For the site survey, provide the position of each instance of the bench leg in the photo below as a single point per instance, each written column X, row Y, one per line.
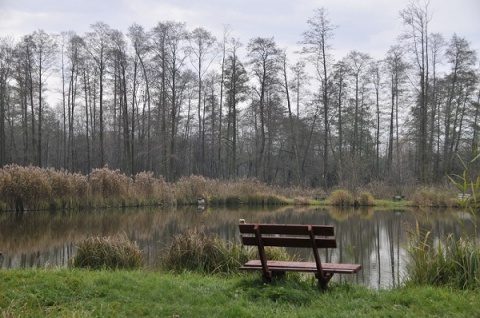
column 323, row 282
column 278, row 273
column 273, row 274
column 267, row 276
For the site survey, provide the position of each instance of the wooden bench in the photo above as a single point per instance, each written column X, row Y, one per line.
column 292, row 235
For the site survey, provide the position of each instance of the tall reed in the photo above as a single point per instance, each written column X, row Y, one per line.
column 195, row 250
column 341, row 198
column 111, row 252
column 24, row 188
column 429, row 197
column 450, row 261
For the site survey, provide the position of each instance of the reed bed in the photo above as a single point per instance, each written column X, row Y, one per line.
column 110, row 252
column 33, row 188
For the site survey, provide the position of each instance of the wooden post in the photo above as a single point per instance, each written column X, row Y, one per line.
column 261, row 251
column 322, row 279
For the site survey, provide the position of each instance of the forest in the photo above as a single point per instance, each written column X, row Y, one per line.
column 180, row 102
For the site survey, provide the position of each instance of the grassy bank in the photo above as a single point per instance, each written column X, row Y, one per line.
column 83, row 293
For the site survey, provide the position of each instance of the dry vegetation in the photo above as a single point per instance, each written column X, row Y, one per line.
column 33, row 188
column 110, row 252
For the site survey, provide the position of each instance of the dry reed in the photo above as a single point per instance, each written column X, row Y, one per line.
column 111, row 252
column 341, row 198
column 195, row 250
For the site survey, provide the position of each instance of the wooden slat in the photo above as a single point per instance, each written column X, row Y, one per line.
column 303, row 267
column 289, row 241
column 288, row 229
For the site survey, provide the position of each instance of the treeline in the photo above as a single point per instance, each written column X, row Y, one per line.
column 178, row 102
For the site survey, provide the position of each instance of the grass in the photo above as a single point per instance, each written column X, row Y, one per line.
column 111, row 252
column 196, row 250
column 452, row 260
column 83, row 293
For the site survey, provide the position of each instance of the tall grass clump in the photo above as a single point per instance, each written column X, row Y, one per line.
column 111, row 252
column 195, row 250
column 108, row 185
column 453, row 262
column 429, row 197
column 365, row 199
column 341, row 198
column 24, row 188
column 67, row 190
column 189, row 189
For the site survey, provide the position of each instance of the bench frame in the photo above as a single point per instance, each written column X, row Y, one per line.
column 293, row 235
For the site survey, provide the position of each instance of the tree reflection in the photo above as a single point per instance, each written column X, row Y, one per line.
column 374, row 238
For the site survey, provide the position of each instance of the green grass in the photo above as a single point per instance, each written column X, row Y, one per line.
column 84, row 293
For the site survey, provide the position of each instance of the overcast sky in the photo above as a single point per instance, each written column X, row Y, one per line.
column 369, row 26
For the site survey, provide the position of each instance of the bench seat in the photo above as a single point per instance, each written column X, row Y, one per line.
column 309, row 267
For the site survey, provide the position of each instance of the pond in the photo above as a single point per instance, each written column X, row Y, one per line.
column 374, row 238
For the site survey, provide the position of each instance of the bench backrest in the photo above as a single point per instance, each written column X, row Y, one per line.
column 288, row 235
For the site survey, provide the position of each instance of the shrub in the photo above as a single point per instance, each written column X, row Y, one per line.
column 365, row 199
column 341, row 198
column 111, row 252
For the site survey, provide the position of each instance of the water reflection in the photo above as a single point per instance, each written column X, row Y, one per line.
column 375, row 239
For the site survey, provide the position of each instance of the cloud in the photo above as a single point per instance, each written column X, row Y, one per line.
column 370, row 26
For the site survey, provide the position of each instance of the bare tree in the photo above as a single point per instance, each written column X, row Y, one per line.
column 316, row 41
column 358, row 63
column 416, row 19
column 97, row 46
column 293, row 137
column 171, row 51
column 6, row 63
column 263, row 54
column 376, row 79
column 461, row 81
column 436, row 53
column 235, row 89
column 142, row 47
column 203, row 51
column 396, row 71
